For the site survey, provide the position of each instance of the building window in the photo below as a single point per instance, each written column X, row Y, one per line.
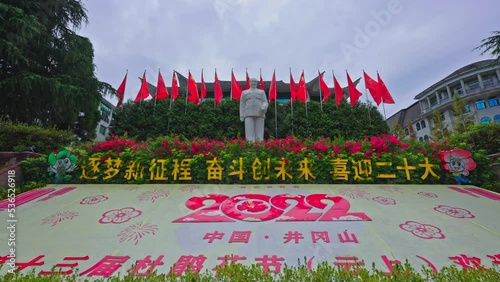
column 467, row 108
column 420, row 139
column 426, row 137
column 493, row 101
column 480, row 104
column 423, row 123
column 486, row 120
column 497, row 119
column 102, row 130
column 418, row 126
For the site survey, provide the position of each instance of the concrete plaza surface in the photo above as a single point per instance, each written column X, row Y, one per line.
column 108, row 230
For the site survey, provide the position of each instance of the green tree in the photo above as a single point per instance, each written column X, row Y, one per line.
column 398, row 131
column 46, row 69
column 439, row 129
column 462, row 120
column 491, row 45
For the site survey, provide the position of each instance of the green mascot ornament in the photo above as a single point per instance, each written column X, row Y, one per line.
column 61, row 163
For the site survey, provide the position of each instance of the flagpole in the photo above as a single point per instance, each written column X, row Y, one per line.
column 231, row 91
column 291, row 102
column 275, row 104
column 305, row 93
column 172, row 96
column 156, row 97
column 187, row 87
column 200, row 97
column 320, row 96
column 366, row 94
column 214, row 89
column 382, row 101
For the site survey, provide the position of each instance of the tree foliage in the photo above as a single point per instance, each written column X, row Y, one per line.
column 398, row 131
column 46, row 69
column 149, row 120
column 462, row 120
column 439, row 129
column 491, row 45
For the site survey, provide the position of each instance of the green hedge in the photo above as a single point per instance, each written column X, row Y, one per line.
column 19, row 137
column 323, row 272
column 150, row 120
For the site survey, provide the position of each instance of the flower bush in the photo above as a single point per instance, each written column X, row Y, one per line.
column 380, row 159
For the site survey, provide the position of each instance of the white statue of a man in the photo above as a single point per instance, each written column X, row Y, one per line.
column 253, row 108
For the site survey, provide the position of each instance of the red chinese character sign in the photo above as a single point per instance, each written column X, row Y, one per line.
column 459, row 163
column 112, row 230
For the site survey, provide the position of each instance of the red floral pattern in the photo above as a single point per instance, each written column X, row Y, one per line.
column 118, row 216
column 252, row 206
column 91, row 200
column 59, row 217
column 422, row 230
column 428, row 194
column 136, row 232
column 384, row 201
column 454, row 212
column 457, row 161
column 152, row 195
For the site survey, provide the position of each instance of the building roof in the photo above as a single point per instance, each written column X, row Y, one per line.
column 404, row 115
column 468, row 68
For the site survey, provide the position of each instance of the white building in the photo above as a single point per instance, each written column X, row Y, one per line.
column 478, row 84
column 106, row 109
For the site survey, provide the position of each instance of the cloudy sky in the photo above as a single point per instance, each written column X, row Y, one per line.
column 412, row 44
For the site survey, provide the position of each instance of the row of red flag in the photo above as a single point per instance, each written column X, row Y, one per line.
column 377, row 89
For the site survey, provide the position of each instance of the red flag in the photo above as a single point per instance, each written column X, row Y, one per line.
column 261, row 82
column 203, row 88
column 235, row 88
column 373, row 87
column 175, row 87
column 273, row 91
column 192, row 90
column 354, row 93
column 384, row 92
column 301, row 89
column 121, row 91
column 144, row 91
column 247, row 85
column 161, row 89
column 293, row 89
column 324, row 88
column 339, row 92
column 217, row 90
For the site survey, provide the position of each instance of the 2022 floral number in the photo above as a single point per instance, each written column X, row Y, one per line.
column 261, row 207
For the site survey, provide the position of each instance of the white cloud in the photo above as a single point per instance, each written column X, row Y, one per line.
column 418, row 45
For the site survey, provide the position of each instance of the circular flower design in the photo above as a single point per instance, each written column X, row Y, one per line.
column 93, row 200
column 252, row 206
column 119, row 215
column 454, row 212
column 384, row 201
column 427, row 194
column 457, row 161
column 422, row 230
